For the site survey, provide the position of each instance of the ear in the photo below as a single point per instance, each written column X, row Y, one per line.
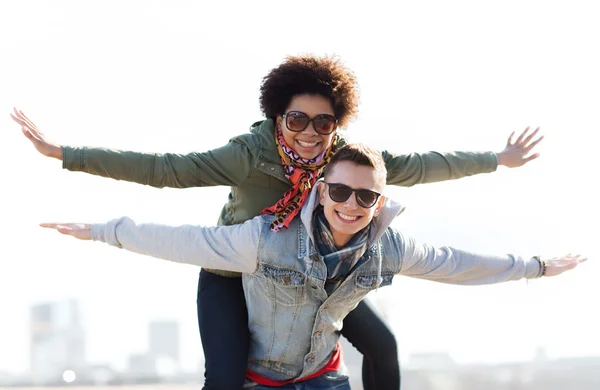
column 322, row 192
column 379, row 205
column 278, row 121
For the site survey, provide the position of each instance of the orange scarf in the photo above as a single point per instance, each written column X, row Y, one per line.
column 303, row 173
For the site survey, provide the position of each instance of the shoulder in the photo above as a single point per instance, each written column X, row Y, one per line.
column 393, row 240
column 260, row 140
column 260, row 133
column 342, row 139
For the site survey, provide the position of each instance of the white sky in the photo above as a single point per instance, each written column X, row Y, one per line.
column 178, row 76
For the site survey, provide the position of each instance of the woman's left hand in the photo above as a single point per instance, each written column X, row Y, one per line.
column 81, row 231
column 516, row 153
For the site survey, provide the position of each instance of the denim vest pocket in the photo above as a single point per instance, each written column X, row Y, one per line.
column 286, row 285
column 369, row 282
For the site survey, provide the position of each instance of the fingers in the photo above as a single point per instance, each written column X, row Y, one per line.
column 530, row 136
column 579, row 258
column 71, row 225
column 49, row 225
column 61, row 228
column 523, row 134
column 18, row 120
column 69, row 229
column 64, row 230
column 21, row 118
column 510, row 139
column 31, row 135
column 23, row 123
column 532, row 145
column 532, row 157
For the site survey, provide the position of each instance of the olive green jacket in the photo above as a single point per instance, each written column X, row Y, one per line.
column 251, row 166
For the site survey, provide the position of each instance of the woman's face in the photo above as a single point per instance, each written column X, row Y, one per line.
column 307, row 143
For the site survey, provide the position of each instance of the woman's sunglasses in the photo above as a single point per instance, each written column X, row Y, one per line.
column 298, row 121
column 340, row 193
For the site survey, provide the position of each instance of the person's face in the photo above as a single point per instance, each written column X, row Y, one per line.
column 308, row 143
column 348, row 218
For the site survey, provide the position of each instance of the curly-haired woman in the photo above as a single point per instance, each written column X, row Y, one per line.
column 271, row 169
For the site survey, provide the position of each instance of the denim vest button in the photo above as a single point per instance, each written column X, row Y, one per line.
column 286, row 279
column 310, row 359
column 317, row 333
column 374, row 284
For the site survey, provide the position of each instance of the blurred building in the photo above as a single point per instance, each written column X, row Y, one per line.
column 161, row 359
column 57, row 341
column 142, row 367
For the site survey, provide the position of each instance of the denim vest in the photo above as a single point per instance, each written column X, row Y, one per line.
column 294, row 325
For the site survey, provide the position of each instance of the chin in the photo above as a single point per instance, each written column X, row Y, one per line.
column 310, row 156
column 347, row 230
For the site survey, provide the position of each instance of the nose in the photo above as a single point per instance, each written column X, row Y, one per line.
column 350, row 203
column 310, row 129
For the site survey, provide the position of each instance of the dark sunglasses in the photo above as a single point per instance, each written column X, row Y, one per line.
column 340, row 193
column 298, row 121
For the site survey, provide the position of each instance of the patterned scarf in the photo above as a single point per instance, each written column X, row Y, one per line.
column 303, row 173
column 339, row 262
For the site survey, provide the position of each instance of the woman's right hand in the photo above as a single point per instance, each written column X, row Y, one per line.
column 37, row 138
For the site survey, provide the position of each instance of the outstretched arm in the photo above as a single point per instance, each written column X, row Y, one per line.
column 228, row 165
column 231, row 248
column 455, row 266
column 431, row 167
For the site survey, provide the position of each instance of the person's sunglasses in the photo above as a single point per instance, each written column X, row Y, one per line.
column 340, row 193
column 298, row 121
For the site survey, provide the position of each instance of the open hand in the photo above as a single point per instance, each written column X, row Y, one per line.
column 37, row 138
column 558, row 265
column 516, row 153
column 81, row 231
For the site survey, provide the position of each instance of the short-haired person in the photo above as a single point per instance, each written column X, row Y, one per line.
column 301, row 282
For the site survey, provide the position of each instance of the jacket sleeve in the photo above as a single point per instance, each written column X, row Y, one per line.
column 230, row 248
column 454, row 266
column 419, row 168
column 228, row 165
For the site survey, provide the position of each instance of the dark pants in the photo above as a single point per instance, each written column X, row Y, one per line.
column 368, row 332
column 223, row 322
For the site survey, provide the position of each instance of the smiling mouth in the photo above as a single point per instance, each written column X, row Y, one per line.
column 347, row 218
column 305, row 144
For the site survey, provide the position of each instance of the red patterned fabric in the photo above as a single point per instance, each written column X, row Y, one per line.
column 303, row 173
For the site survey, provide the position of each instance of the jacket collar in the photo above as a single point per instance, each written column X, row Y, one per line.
column 265, row 130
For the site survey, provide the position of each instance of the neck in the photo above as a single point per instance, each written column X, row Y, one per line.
column 341, row 239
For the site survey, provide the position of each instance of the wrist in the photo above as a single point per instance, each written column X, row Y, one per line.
column 501, row 158
column 542, row 265
column 57, row 152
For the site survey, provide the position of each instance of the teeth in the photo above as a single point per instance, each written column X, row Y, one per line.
column 307, row 144
column 347, row 217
